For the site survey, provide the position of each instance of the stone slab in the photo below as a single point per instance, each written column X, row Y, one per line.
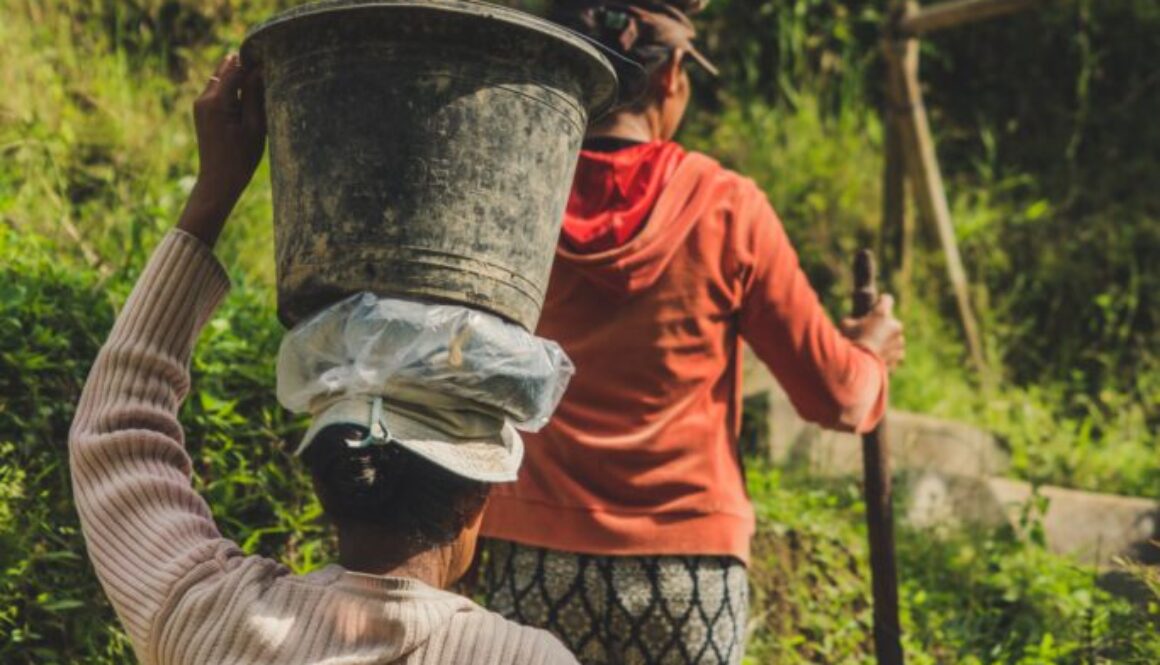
column 1094, row 528
column 1091, row 527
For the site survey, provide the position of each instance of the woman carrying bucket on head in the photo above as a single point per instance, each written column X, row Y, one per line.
column 406, row 526
column 627, row 534
column 415, row 401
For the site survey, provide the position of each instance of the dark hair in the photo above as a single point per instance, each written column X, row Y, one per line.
column 388, row 486
column 606, row 24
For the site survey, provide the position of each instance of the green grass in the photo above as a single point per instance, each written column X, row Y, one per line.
column 97, row 139
column 967, row 596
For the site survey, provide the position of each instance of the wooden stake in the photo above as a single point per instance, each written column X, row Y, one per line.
column 926, row 179
column 897, row 226
column 959, row 12
column 879, row 503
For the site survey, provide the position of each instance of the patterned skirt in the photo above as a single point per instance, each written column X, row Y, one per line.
column 623, row 610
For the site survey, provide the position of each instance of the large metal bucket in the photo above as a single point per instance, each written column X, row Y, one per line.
column 422, row 149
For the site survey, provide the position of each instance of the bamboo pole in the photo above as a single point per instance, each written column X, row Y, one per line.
column 926, row 180
column 959, row 12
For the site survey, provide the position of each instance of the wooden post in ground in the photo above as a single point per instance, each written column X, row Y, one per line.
column 895, row 243
column 926, row 181
column 897, row 225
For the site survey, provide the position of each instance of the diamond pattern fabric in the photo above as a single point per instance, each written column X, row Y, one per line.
column 627, row 610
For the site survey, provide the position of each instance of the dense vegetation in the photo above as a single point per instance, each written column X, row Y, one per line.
column 1046, row 131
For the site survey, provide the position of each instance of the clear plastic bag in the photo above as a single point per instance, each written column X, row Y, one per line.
column 366, row 345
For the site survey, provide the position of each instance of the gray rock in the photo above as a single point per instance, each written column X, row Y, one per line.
column 1093, row 528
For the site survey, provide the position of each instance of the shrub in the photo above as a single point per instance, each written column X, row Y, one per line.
column 53, row 319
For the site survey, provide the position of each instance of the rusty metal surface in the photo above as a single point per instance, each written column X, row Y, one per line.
column 422, row 149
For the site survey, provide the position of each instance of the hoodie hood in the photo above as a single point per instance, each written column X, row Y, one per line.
column 614, row 193
column 629, row 211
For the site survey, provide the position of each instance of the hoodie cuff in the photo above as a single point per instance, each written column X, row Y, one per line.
column 878, row 402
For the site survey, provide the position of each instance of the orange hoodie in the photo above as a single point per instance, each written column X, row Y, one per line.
column 641, row 457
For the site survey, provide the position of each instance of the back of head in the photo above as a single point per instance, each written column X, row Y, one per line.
column 609, row 23
column 387, row 487
column 647, row 32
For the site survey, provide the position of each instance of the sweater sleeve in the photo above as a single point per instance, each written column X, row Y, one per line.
column 144, row 525
column 830, row 380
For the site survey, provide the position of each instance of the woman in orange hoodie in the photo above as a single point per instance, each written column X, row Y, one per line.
column 627, row 533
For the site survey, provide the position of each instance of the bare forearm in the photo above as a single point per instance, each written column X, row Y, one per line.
column 206, row 212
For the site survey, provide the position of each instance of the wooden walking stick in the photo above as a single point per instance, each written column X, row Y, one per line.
column 879, row 509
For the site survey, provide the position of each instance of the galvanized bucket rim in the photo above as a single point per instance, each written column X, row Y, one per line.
column 600, row 97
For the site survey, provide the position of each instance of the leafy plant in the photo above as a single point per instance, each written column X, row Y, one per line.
column 53, row 318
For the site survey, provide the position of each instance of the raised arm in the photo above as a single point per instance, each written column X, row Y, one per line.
column 145, row 528
column 833, row 380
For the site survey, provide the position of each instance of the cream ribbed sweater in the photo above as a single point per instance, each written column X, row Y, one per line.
column 186, row 594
